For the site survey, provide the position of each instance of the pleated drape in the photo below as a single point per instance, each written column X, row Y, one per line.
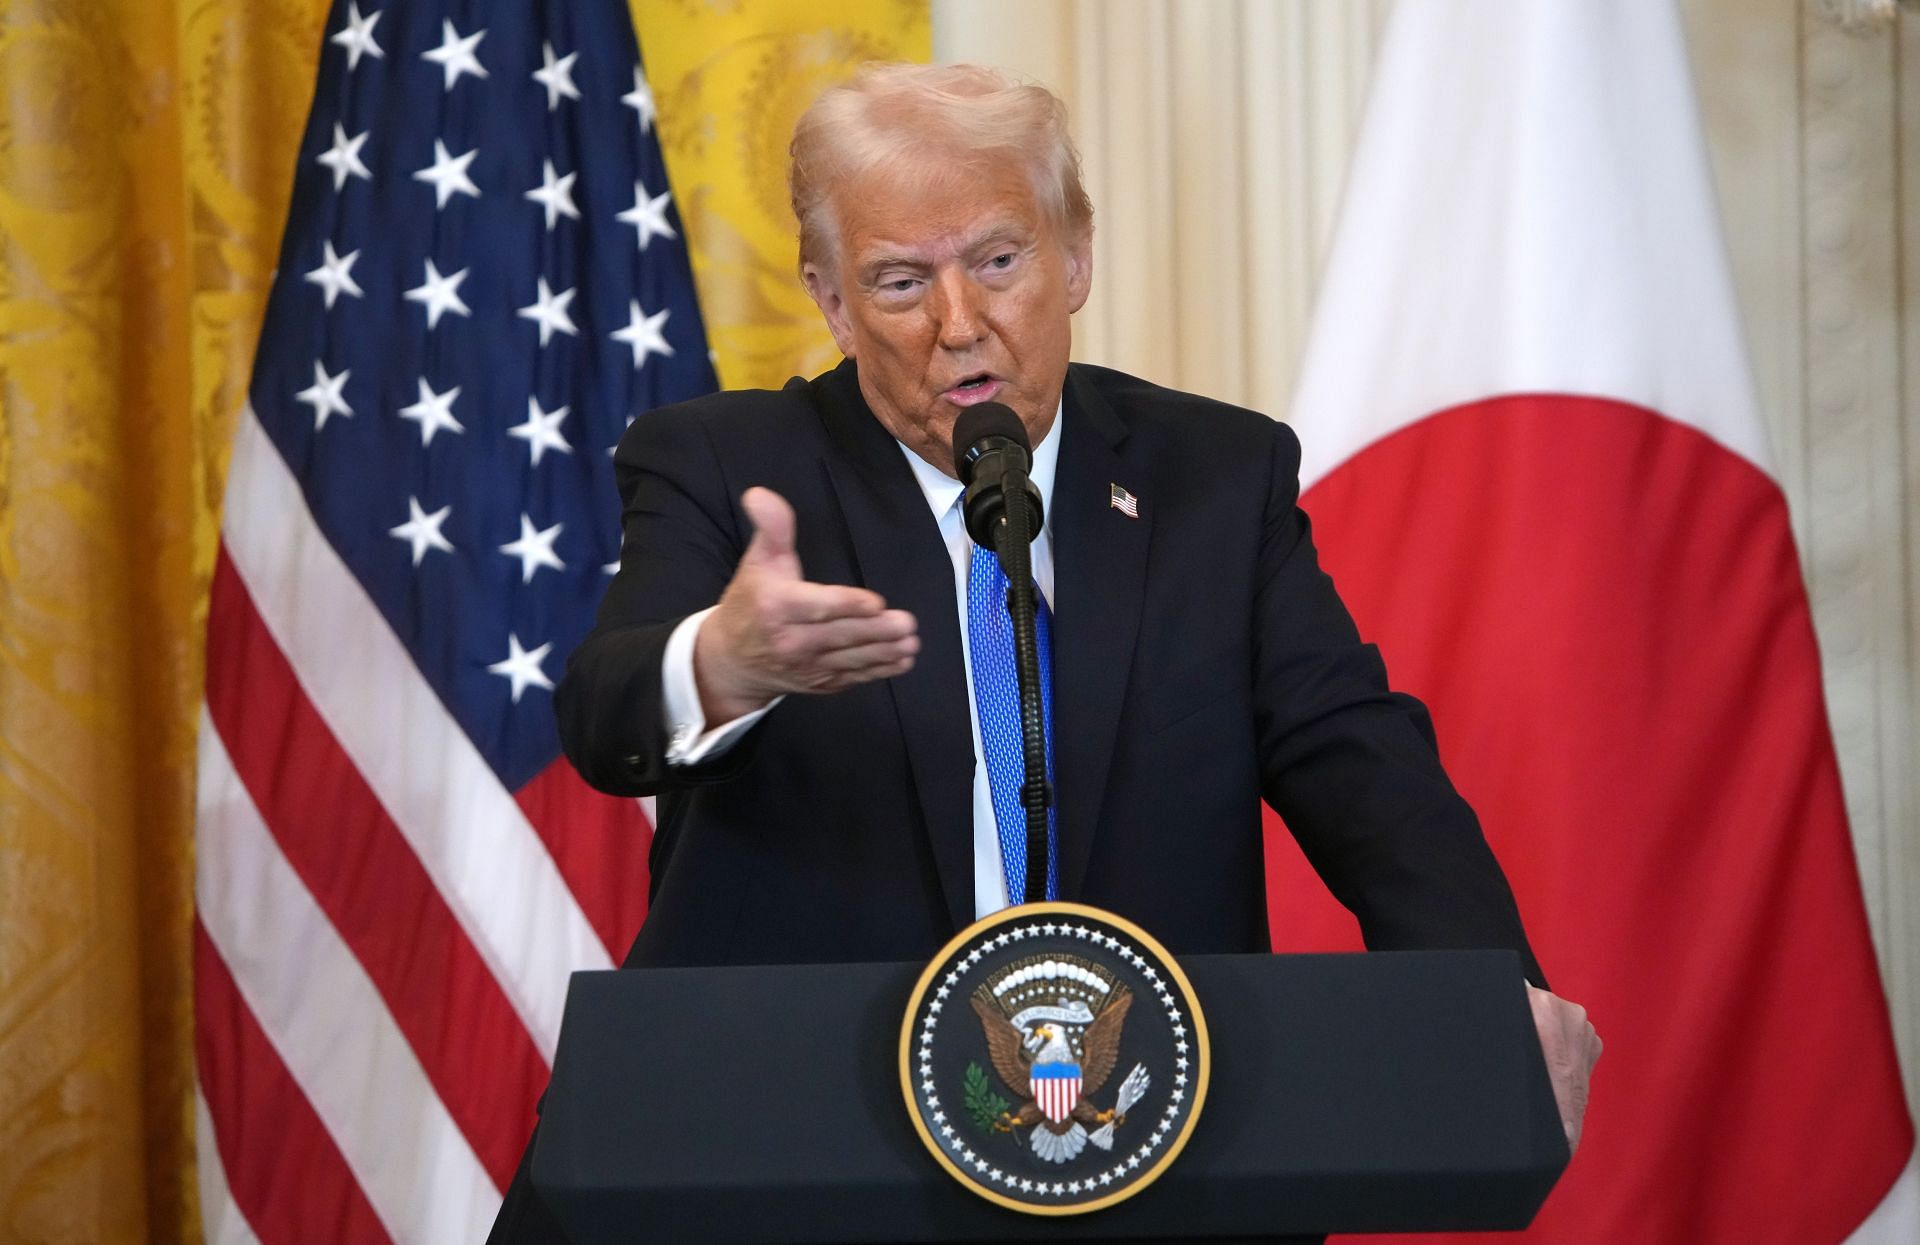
column 146, row 151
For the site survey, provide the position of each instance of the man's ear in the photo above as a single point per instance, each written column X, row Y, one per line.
column 1079, row 273
column 826, row 296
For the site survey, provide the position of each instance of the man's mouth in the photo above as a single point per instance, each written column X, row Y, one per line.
column 980, row 387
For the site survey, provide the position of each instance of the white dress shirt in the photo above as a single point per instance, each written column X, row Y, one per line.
column 689, row 740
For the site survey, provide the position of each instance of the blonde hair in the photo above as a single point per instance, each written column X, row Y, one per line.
column 917, row 116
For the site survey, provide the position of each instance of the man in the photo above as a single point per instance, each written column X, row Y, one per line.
column 797, row 651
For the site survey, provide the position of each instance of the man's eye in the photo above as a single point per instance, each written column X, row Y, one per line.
column 1002, row 260
column 900, row 285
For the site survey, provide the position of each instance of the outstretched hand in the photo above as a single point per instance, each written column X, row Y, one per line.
column 1572, row 1047
column 774, row 632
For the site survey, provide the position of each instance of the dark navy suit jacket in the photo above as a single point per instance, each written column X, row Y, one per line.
column 1202, row 661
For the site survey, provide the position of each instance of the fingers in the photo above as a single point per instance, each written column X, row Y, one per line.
column 776, row 633
column 1571, row 1047
column 887, row 629
column 839, row 681
column 824, row 655
column 803, row 603
column 853, row 659
column 773, row 527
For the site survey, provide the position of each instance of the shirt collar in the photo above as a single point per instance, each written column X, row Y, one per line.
column 943, row 491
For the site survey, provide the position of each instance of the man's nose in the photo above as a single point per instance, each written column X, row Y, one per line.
column 959, row 310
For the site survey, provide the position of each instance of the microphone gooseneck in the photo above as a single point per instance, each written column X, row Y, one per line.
column 992, row 455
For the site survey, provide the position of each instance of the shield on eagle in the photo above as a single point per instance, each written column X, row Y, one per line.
column 1056, row 1088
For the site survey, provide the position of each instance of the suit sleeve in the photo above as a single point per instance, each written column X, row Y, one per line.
column 1353, row 767
column 681, row 540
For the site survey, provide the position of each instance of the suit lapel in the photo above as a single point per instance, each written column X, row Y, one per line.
column 900, row 555
column 1100, row 571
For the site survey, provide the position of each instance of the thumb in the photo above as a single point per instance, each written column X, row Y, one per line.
column 772, row 519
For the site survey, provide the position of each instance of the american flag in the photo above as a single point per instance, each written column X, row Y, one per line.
column 483, row 280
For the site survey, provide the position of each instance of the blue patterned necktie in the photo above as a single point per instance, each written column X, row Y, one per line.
column 996, row 696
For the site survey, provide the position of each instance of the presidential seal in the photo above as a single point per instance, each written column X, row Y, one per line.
column 1054, row 1059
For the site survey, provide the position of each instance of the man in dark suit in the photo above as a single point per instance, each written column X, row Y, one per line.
column 789, row 654
column 1201, row 660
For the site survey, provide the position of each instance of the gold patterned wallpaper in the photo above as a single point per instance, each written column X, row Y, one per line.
column 730, row 78
column 146, row 151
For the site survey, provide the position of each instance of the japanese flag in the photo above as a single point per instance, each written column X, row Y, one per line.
column 1537, row 470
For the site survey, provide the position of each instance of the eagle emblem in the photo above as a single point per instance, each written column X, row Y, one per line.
column 1053, row 1027
column 1012, row 1052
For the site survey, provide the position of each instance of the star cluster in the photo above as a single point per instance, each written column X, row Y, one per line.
column 483, row 282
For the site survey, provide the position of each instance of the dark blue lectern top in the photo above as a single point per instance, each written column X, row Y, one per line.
column 1398, row 1091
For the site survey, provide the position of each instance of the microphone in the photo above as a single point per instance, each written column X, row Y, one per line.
column 991, row 456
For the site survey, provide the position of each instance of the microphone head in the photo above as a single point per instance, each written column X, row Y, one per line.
column 978, row 423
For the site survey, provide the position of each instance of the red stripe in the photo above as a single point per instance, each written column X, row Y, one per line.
column 366, row 878
column 599, row 843
column 283, row 1169
column 1057, row 1096
column 1604, row 610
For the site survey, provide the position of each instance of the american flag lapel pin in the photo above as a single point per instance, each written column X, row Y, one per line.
column 1126, row 503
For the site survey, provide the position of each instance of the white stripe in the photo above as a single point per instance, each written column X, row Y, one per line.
column 476, row 844
column 1896, row 1221
column 1529, row 209
column 1057, row 1096
column 328, row 1024
column 221, row 1222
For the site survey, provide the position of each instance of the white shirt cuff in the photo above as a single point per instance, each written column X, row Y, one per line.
column 689, row 742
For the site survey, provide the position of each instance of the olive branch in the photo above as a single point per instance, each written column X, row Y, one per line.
column 983, row 1105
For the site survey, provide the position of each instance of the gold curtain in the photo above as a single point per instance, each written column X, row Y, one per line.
column 146, row 151
column 730, row 78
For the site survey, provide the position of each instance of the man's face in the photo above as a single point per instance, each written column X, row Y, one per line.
column 952, row 294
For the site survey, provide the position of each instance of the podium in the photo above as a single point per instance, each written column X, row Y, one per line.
column 1389, row 1091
